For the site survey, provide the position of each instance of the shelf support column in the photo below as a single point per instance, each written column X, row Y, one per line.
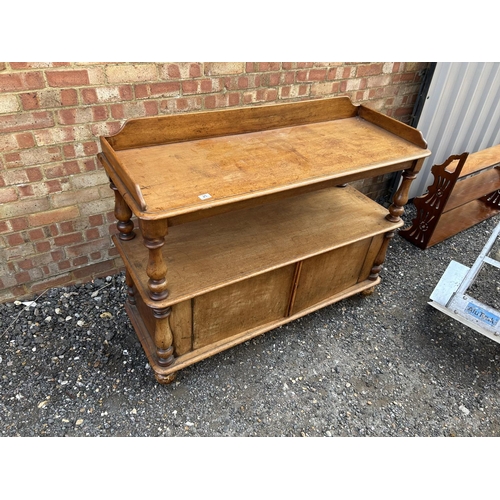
column 396, row 210
column 154, row 232
column 123, row 215
column 380, row 258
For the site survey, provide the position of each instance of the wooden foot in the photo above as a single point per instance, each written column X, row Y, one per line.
column 165, row 379
column 368, row 291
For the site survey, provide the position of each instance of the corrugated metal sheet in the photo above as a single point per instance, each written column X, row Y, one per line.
column 461, row 114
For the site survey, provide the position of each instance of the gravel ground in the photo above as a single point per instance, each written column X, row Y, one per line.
column 383, row 365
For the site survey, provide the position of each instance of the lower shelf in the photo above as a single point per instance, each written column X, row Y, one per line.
column 211, row 253
column 163, row 374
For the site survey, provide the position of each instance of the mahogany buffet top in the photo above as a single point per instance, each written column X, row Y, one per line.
column 177, row 164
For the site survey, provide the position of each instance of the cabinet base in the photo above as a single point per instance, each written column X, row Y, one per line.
column 166, row 375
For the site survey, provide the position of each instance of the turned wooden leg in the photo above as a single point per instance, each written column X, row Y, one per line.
column 154, row 233
column 163, row 336
column 396, row 210
column 380, row 258
column 123, row 215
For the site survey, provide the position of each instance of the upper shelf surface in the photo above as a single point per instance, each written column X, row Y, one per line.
column 182, row 177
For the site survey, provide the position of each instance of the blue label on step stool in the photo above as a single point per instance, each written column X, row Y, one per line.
column 481, row 314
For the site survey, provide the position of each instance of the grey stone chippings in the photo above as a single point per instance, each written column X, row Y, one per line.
column 386, row 364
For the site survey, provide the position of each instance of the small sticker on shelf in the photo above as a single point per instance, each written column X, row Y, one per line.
column 205, row 196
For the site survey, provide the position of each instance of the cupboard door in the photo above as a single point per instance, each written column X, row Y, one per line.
column 239, row 307
column 324, row 275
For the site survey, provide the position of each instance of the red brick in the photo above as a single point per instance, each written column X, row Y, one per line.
column 8, row 194
column 234, row 98
column 36, row 234
column 67, row 78
column 25, row 190
column 118, row 111
column 91, row 149
column 99, row 113
column 15, row 239
column 15, row 82
column 95, row 255
column 67, row 227
column 301, row 76
column 317, row 75
column 91, row 164
column 53, row 186
column 210, row 102
column 64, row 264
column 141, row 91
column 369, row 70
column 243, row 82
column 57, row 255
column 30, row 101
column 25, row 140
column 69, row 97
column 151, row 108
column 92, row 234
column 274, row 79
column 399, row 112
column 269, row 66
column 89, row 96
column 190, row 87
column 34, row 174
column 42, row 246
column 22, row 277
column 68, row 239
column 80, row 261
column 26, row 264
column 96, row 220
column 164, row 88
column 4, row 226
column 19, row 223
column 69, row 151
column 173, row 71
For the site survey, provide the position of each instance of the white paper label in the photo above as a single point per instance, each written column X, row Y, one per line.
column 205, row 196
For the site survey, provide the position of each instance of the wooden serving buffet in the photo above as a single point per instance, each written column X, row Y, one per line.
column 262, row 226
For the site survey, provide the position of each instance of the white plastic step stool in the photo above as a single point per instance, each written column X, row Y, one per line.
column 452, row 295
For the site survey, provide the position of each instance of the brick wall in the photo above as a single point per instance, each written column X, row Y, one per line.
column 56, row 207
